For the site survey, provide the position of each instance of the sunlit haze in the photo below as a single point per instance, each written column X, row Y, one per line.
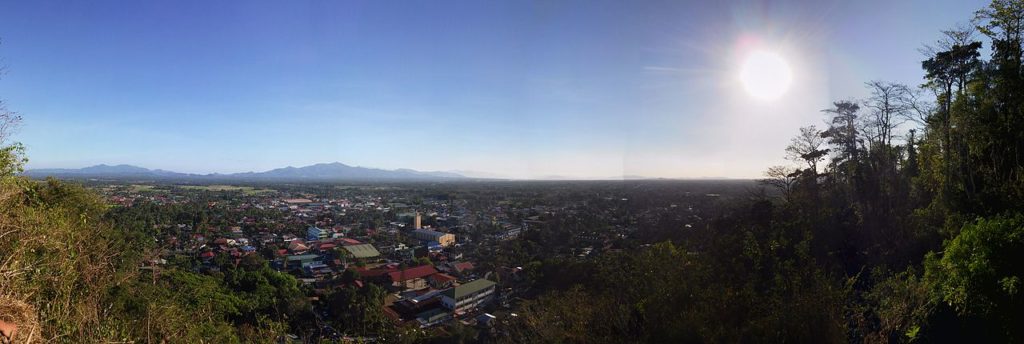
column 516, row 89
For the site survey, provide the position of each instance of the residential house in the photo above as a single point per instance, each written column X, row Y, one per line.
column 302, row 260
column 440, row 280
column 432, row 317
column 411, row 278
column 297, row 247
column 461, row 269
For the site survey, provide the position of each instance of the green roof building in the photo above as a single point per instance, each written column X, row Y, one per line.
column 362, row 251
column 468, row 296
column 302, row 260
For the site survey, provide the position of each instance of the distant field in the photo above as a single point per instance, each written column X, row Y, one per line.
column 367, row 187
column 248, row 190
column 141, row 187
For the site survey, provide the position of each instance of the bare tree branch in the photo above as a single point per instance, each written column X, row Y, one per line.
column 806, row 147
column 782, row 178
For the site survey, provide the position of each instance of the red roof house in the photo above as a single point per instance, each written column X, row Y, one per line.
column 440, row 280
column 349, row 241
column 412, row 278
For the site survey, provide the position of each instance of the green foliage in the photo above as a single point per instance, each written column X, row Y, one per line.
column 61, row 254
column 264, row 291
column 179, row 307
column 360, row 311
column 12, row 160
column 667, row 293
column 901, row 302
column 979, row 272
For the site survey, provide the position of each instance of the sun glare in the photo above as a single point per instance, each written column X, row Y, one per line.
column 765, row 75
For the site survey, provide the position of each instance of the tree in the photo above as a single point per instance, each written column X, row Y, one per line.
column 920, row 110
column 781, row 178
column 9, row 122
column 979, row 273
column 888, row 105
column 806, row 147
column 359, row 311
column 945, row 69
column 12, row 154
column 910, row 168
column 843, row 133
column 1003, row 22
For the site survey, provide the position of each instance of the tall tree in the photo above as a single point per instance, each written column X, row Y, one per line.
column 12, row 157
column 888, row 105
column 806, row 147
column 782, row 178
column 843, row 133
column 944, row 70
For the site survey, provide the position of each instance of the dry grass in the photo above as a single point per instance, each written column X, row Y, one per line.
column 14, row 310
column 24, row 316
column 55, row 261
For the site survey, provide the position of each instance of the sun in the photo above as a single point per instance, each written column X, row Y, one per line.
column 765, row 75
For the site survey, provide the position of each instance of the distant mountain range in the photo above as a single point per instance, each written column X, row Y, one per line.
column 319, row 172
column 334, row 171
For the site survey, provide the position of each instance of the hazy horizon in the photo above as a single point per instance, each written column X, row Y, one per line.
column 522, row 90
column 463, row 173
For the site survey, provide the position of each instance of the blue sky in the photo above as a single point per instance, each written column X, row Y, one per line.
column 519, row 89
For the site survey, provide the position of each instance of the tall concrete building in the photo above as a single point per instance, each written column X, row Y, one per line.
column 418, row 222
column 315, row 233
column 445, row 239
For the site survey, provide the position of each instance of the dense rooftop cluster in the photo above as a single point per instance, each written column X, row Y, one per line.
column 437, row 257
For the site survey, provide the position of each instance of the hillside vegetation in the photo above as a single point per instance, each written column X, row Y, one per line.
column 70, row 273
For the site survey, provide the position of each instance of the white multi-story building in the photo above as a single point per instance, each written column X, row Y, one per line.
column 468, row 296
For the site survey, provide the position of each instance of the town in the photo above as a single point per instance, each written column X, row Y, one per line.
column 440, row 253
